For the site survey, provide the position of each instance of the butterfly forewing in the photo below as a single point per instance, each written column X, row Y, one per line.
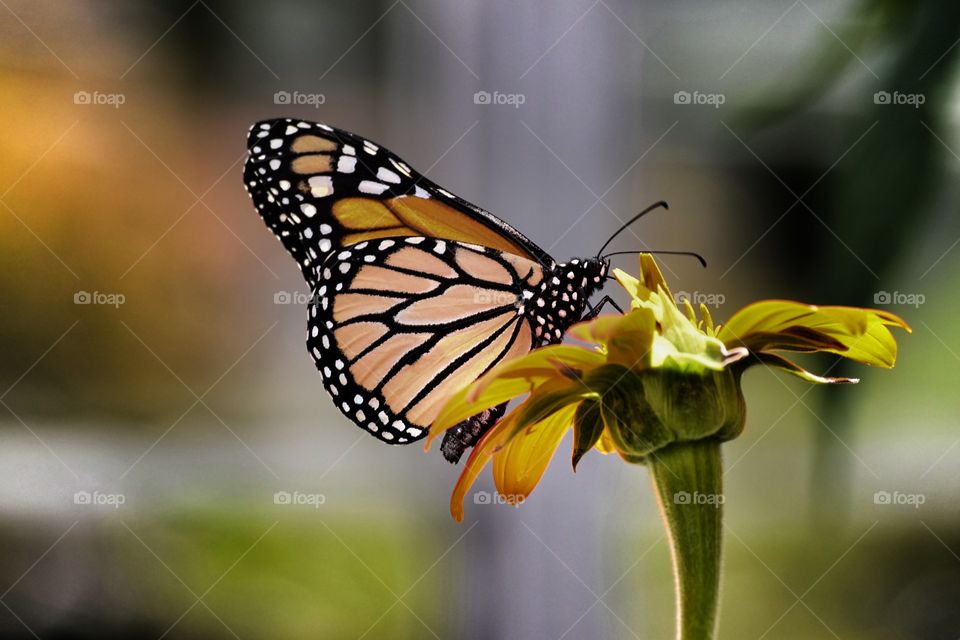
column 320, row 189
column 400, row 324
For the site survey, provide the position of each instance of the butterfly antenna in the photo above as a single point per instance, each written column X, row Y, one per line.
column 655, row 205
column 692, row 254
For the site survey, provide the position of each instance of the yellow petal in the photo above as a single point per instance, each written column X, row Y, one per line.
column 478, row 459
column 605, row 444
column 627, row 339
column 859, row 334
column 509, row 380
column 518, row 467
column 650, row 280
column 651, row 275
column 773, row 360
column 707, row 320
column 633, row 286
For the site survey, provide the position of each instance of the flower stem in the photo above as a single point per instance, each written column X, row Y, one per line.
column 688, row 479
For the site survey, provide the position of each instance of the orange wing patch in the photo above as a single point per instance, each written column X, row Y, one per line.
column 369, row 370
column 483, row 267
column 387, row 280
column 355, row 338
column 457, row 302
column 352, row 305
column 426, row 410
column 370, row 219
column 312, row 144
column 409, row 381
column 359, row 214
column 417, row 260
column 431, row 217
column 314, row 163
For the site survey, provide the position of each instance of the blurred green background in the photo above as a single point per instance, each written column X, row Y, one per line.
column 158, row 409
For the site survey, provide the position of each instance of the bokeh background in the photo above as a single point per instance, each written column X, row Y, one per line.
column 155, row 393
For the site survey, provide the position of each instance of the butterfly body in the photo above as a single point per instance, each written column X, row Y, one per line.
column 416, row 291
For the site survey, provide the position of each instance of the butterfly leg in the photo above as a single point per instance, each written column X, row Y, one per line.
column 595, row 309
column 468, row 433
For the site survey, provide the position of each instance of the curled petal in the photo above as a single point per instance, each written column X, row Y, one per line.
column 773, row 360
column 587, row 429
column 862, row 335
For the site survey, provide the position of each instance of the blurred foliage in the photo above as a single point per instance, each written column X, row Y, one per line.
column 266, row 574
column 881, row 171
column 911, row 595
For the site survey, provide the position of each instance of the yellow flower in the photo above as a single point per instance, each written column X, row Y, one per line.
column 653, row 376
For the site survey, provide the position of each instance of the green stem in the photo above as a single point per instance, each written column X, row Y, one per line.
column 688, row 479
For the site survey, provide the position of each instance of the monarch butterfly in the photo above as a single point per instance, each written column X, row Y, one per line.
column 416, row 292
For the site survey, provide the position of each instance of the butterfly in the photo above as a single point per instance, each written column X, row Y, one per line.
column 416, row 292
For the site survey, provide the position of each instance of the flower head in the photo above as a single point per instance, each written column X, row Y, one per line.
column 653, row 376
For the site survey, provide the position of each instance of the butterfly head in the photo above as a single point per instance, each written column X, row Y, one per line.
column 594, row 270
column 584, row 276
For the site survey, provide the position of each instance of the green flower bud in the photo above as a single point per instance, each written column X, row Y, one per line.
column 644, row 411
column 694, row 406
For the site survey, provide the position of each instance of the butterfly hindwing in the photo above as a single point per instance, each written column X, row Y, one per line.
column 320, row 189
column 398, row 325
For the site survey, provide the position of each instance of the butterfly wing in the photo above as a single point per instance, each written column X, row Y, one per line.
column 398, row 325
column 320, row 189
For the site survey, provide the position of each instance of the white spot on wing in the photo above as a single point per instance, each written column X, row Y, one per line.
column 401, row 167
column 321, row 186
column 346, row 164
column 369, row 186
column 388, row 176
